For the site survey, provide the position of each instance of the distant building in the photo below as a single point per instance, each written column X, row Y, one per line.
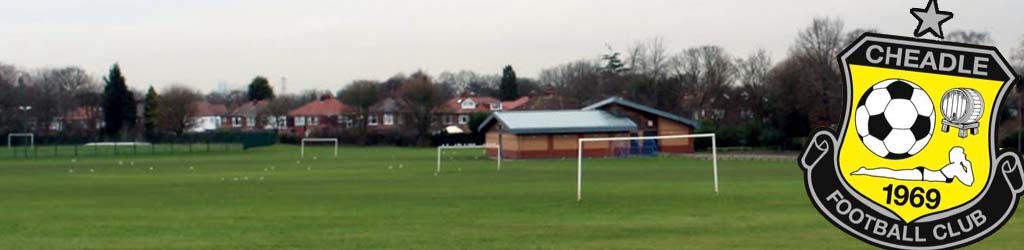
column 549, row 100
column 326, row 112
column 386, row 114
column 85, row 118
column 457, row 111
column 515, row 104
column 555, row 133
column 248, row 116
column 208, row 117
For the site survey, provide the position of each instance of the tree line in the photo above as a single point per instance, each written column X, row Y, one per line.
column 749, row 100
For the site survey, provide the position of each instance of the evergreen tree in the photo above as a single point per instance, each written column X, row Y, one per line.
column 509, row 88
column 259, row 89
column 151, row 112
column 118, row 103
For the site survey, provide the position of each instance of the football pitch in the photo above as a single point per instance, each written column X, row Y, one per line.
column 390, row 198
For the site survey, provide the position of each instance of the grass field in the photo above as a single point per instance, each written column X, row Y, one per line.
column 389, row 198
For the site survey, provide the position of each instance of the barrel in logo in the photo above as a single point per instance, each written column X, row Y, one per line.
column 962, row 108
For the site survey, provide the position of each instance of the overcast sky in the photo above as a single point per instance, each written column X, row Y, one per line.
column 326, row 44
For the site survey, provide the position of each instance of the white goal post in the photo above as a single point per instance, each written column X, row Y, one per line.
column 31, row 138
column 484, row 146
column 302, row 154
column 579, row 160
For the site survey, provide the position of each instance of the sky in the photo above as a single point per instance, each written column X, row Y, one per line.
column 326, row 44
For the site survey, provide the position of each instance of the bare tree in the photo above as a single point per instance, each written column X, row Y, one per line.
column 970, row 37
column 360, row 94
column 815, row 51
column 651, row 58
column 708, row 76
column 752, row 73
column 177, row 108
column 420, row 96
column 1017, row 57
column 856, row 33
column 575, row 81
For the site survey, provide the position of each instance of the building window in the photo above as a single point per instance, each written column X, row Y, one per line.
column 372, row 120
column 313, row 121
column 468, row 104
column 251, row 122
column 447, row 120
column 496, row 106
column 236, row 121
column 463, row 119
column 300, row 121
column 389, row 119
column 282, row 122
column 346, row 120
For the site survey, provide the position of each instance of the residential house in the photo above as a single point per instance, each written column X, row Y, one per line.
column 457, row 111
column 208, row 117
column 247, row 117
column 80, row 118
column 324, row 113
column 548, row 101
column 386, row 114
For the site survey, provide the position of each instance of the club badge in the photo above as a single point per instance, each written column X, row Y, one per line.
column 914, row 165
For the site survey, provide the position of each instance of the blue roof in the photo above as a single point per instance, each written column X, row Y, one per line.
column 560, row 121
column 643, row 108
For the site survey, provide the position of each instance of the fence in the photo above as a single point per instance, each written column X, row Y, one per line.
column 84, row 146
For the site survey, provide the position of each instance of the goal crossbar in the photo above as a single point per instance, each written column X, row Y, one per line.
column 31, row 138
column 484, row 146
column 302, row 154
column 579, row 149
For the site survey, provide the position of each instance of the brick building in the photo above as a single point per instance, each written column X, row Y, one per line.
column 555, row 133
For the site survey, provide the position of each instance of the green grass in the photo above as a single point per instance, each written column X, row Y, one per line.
column 357, row 202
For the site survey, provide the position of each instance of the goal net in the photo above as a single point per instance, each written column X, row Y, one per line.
column 469, row 153
column 638, row 145
column 302, row 153
column 27, row 139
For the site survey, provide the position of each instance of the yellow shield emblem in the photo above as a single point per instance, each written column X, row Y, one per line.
column 914, row 165
column 913, row 141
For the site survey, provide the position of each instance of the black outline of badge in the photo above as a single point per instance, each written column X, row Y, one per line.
column 1000, row 197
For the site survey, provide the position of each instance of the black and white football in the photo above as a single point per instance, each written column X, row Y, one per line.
column 895, row 119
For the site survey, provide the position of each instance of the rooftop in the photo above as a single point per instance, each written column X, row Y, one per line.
column 323, row 107
column 629, row 104
column 560, row 121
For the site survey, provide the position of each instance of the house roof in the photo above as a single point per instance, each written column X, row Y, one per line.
column 454, row 105
column 326, row 106
column 515, row 104
column 547, row 101
column 560, row 121
column 204, row 108
column 626, row 103
column 84, row 113
column 250, row 109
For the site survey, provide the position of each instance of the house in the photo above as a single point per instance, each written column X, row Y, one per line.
column 208, row 117
column 80, row 118
column 247, row 117
column 385, row 114
column 547, row 101
column 324, row 113
column 515, row 104
column 457, row 111
column 555, row 133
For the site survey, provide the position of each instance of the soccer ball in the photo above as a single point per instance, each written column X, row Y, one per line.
column 895, row 119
